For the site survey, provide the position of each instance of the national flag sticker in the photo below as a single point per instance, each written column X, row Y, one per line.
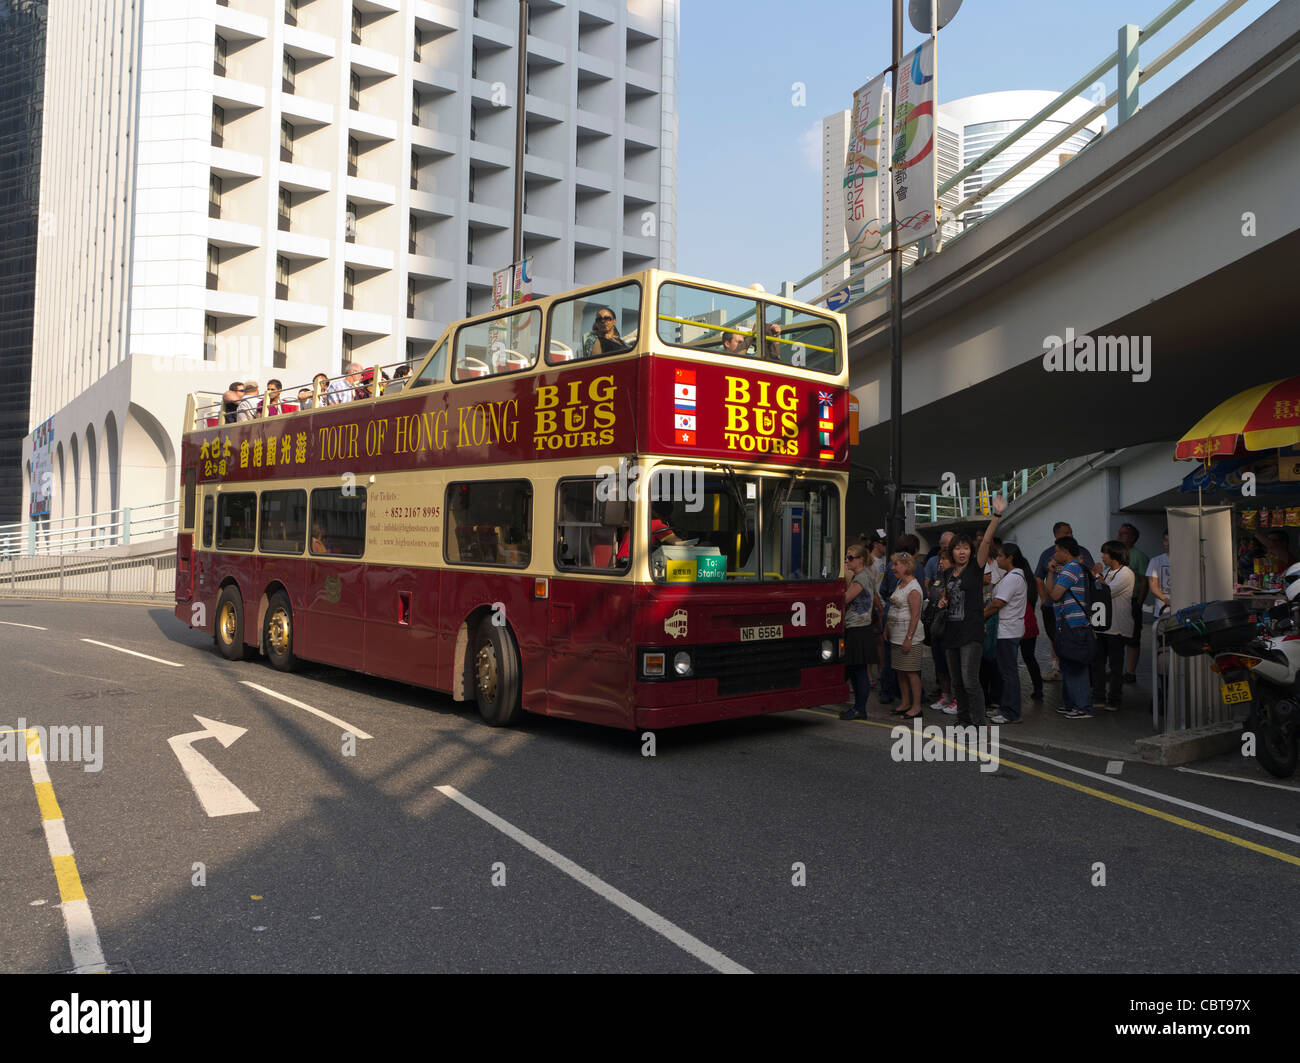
column 684, row 376
column 686, row 438
column 684, row 421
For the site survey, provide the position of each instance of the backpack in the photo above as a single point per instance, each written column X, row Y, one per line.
column 1097, row 606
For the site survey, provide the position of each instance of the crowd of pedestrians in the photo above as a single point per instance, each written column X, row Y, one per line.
column 973, row 608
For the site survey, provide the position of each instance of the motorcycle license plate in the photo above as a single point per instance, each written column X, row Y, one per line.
column 1236, row 693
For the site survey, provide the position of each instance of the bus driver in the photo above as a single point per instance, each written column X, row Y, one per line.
column 660, row 532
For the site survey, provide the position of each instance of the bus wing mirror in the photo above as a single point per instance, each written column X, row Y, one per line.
column 615, row 515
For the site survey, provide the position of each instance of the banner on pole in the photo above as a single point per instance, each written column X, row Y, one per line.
column 915, row 171
column 523, row 280
column 501, row 288
column 865, row 189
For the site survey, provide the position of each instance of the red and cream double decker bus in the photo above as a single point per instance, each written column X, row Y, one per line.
column 623, row 505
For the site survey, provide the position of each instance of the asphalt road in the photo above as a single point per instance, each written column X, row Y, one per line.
column 685, row 861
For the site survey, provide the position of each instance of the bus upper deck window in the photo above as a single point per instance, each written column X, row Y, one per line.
column 595, row 324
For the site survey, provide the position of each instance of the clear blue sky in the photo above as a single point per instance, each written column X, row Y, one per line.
column 742, row 221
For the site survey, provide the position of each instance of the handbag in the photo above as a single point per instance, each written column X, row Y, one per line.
column 991, row 638
column 936, row 626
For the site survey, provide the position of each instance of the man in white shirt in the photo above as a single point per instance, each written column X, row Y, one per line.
column 1113, row 570
column 344, row 389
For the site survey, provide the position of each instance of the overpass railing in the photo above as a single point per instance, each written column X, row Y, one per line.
column 91, row 531
column 937, row 507
column 1129, row 77
column 99, row 576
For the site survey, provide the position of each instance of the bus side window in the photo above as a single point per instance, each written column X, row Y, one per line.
column 237, row 521
column 489, row 523
column 584, row 538
column 208, row 507
column 191, row 490
column 338, row 521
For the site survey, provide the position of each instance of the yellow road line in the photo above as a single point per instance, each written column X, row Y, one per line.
column 83, row 937
column 45, row 798
column 65, row 870
column 1123, row 802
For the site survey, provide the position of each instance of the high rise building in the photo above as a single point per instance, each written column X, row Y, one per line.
column 22, row 83
column 272, row 188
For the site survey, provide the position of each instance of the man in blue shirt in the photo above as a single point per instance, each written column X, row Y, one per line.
column 1066, row 588
column 1059, row 529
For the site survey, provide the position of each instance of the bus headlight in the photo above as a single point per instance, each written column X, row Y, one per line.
column 682, row 663
column 652, row 664
column 828, row 650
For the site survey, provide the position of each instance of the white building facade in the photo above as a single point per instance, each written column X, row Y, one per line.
column 252, row 189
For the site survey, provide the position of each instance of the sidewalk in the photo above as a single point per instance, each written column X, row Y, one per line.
column 1107, row 734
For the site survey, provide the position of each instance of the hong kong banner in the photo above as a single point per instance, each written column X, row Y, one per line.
column 865, row 190
column 914, row 168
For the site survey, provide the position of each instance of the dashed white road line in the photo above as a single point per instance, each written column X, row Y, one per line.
column 679, row 937
column 1113, row 781
column 133, row 653
column 1239, row 778
column 14, row 623
column 307, row 708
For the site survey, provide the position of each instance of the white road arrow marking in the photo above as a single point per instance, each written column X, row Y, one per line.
column 217, row 794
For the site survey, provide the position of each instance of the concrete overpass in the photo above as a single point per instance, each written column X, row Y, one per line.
column 1146, row 233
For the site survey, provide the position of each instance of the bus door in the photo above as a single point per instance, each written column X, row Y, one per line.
column 336, row 577
column 589, row 632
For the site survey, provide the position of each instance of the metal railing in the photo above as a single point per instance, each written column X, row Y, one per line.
column 90, row 531
column 1129, row 77
column 210, row 412
column 933, row 508
column 144, row 577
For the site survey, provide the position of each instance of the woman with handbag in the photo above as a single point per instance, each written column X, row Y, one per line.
column 901, row 626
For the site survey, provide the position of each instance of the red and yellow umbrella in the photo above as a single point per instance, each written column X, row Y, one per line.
column 1261, row 418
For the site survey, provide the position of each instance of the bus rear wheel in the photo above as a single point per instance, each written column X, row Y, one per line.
column 277, row 633
column 228, row 629
column 496, row 676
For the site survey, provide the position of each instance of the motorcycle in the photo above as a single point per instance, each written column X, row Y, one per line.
column 1257, row 656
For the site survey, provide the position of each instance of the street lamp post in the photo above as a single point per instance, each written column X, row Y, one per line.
column 894, row 523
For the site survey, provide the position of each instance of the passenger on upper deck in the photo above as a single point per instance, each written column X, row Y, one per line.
column 248, row 408
column 735, row 343
column 772, row 347
column 399, row 381
column 273, row 387
column 604, row 337
column 230, row 402
column 345, row 388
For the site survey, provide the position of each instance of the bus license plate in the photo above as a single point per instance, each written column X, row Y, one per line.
column 1236, row 693
column 753, row 634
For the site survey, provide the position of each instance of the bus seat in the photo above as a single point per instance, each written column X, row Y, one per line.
column 602, row 555
column 472, row 369
column 213, row 422
column 562, row 352
column 465, row 544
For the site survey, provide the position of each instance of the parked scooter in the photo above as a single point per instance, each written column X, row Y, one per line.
column 1257, row 656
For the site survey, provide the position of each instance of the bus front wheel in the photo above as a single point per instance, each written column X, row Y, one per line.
column 228, row 630
column 496, row 675
column 277, row 633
